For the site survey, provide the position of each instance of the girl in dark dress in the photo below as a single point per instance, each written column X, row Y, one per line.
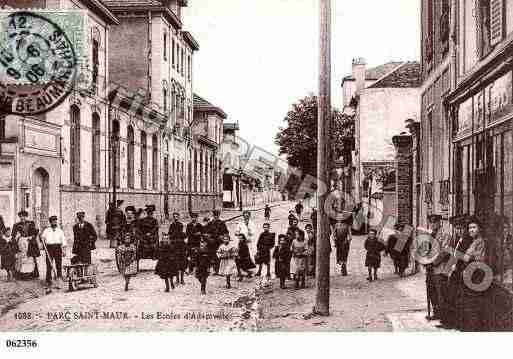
column 7, row 252
column 166, row 264
column 373, row 258
column 244, row 261
column 282, row 256
column 264, row 245
column 201, row 260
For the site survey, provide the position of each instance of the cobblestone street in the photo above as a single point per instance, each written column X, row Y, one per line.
column 389, row 304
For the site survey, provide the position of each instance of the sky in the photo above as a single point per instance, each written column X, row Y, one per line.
column 258, row 57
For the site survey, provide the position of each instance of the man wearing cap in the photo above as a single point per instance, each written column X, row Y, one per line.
column 149, row 230
column 84, row 238
column 217, row 229
column 53, row 238
column 176, row 227
column 25, row 229
column 193, row 231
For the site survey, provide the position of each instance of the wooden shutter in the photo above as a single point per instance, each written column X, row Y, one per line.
column 496, row 21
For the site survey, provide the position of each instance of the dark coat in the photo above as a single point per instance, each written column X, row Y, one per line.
column 27, row 229
column 176, row 230
column 373, row 256
column 201, row 260
column 7, row 254
column 166, row 263
column 193, row 233
column 133, row 229
column 267, row 211
column 115, row 220
column 401, row 259
column 244, row 260
column 282, row 256
column 180, row 254
column 84, row 238
column 299, row 208
column 265, row 243
column 149, row 237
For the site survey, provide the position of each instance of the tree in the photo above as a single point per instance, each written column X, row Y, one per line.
column 298, row 141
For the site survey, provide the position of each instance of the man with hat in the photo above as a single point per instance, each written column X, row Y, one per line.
column 176, row 227
column 84, row 238
column 217, row 229
column 115, row 221
column 55, row 242
column 193, row 231
column 149, row 229
column 26, row 230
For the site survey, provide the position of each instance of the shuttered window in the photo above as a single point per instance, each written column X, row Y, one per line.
column 496, row 21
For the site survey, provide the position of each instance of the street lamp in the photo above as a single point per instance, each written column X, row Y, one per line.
column 239, row 172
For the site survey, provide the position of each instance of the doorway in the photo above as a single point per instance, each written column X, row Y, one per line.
column 40, row 197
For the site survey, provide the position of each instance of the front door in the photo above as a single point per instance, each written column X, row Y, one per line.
column 40, row 197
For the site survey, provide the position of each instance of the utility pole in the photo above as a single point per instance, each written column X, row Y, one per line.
column 322, row 275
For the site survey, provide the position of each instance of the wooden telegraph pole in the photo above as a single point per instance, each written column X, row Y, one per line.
column 322, row 270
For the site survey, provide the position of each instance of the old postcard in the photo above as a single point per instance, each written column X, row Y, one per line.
column 255, row 166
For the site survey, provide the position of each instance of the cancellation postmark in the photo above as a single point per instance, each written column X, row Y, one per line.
column 39, row 61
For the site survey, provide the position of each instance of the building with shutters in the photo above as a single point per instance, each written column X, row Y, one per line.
column 465, row 136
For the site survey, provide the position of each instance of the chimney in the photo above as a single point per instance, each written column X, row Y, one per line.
column 359, row 68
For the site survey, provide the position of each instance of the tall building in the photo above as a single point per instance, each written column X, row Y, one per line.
column 56, row 162
column 466, row 143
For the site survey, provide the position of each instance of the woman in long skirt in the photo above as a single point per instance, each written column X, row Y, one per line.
column 299, row 250
column 7, row 253
column 244, row 261
column 227, row 253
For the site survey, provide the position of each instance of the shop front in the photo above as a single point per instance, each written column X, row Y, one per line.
column 483, row 164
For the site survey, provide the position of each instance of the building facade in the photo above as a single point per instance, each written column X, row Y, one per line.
column 465, row 133
column 381, row 99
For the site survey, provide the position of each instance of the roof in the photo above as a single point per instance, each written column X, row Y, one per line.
column 101, row 9
column 375, row 73
column 202, row 105
column 406, row 75
column 120, row 6
column 191, row 41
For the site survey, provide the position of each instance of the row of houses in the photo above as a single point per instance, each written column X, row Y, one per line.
column 100, row 145
column 436, row 136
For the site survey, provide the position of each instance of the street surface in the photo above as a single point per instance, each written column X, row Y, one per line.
column 389, row 304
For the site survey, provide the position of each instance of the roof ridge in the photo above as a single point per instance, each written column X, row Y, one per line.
column 401, row 64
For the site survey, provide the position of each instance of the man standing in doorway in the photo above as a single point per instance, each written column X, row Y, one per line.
column 55, row 242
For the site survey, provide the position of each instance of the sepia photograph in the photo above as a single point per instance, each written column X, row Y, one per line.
column 242, row 166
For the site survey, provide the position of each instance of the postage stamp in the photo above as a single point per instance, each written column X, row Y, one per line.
column 41, row 54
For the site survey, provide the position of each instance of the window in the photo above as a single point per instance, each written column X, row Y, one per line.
column 182, row 63
column 155, row 162
column 96, row 65
column 483, row 35
column 95, row 150
column 115, row 150
column 496, row 21
column 2, row 128
column 182, row 175
column 74, row 149
column 165, row 46
column 173, row 59
column 195, row 171
column 144, row 159
column 189, row 68
column 164, row 99
column 178, row 57
column 130, row 157
column 428, row 38
column 445, row 26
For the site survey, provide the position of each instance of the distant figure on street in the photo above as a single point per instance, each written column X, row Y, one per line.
column 227, row 254
column 282, row 256
column 292, row 216
column 149, row 234
column 374, row 247
column 166, row 264
column 267, row 213
column 84, row 239
column 55, row 242
column 342, row 235
column 299, row 210
column 311, row 240
column 265, row 244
